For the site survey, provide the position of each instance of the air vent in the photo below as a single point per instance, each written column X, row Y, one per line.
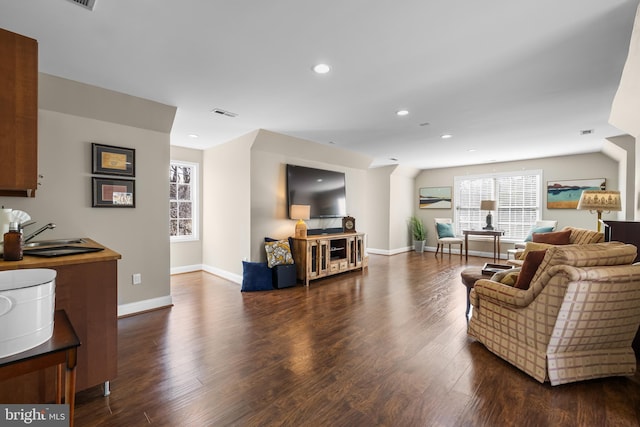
column 87, row 4
column 586, row 132
column 223, row 112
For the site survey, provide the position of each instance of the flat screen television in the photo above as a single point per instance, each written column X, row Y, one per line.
column 323, row 190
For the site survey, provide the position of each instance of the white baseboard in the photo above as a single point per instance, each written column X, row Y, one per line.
column 235, row 278
column 389, row 252
column 145, row 305
column 186, row 269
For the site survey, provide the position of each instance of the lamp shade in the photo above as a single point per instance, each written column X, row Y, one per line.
column 488, row 205
column 300, row 211
column 600, row 200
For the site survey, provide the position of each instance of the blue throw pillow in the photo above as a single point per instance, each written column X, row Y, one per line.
column 256, row 276
column 537, row 230
column 445, row 230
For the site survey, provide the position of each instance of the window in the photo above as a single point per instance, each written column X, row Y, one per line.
column 517, row 195
column 183, row 220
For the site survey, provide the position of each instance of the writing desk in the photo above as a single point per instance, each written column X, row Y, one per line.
column 60, row 350
column 492, row 233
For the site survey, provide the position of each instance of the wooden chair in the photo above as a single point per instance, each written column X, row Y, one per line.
column 446, row 239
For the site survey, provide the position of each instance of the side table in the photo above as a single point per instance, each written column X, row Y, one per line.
column 492, row 233
column 469, row 277
column 60, row 350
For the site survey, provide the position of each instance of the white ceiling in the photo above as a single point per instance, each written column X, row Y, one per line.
column 509, row 79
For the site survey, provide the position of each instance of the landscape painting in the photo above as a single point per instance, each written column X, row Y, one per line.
column 435, row 198
column 566, row 194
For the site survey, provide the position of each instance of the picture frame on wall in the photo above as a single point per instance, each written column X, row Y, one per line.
column 113, row 193
column 111, row 160
column 435, row 198
column 565, row 194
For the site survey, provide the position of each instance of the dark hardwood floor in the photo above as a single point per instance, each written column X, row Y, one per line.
column 387, row 347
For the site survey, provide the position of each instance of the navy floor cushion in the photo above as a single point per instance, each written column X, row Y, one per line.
column 284, row 276
column 256, row 276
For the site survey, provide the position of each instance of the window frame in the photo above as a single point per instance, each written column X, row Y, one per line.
column 488, row 187
column 195, row 232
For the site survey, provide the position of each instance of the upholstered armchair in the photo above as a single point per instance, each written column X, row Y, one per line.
column 445, row 235
column 575, row 320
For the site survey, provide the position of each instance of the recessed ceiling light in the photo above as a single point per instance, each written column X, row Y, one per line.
column 393, row 159
column 193, row 135
column 472, row 150
column 446, row 136
column 322, row 68
column 402, row 112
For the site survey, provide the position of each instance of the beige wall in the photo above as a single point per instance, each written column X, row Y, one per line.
column 270, row 153
column 378, row 205
column 626, row 104
column 187, row 256
column 64, row 161
column 402, row 198
column 390, row 200
column 584, row 166
column 226, row 207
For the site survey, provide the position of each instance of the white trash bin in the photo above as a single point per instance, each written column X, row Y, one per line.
column 27, row 304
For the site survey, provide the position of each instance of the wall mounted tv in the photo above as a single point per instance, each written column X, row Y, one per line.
column 323, row 190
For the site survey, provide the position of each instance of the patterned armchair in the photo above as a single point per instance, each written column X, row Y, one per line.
column 576, row 321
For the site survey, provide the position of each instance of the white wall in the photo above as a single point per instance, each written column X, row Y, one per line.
column 64, row 160
column 187, row 256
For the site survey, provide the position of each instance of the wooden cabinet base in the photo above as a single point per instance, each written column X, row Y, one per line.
column 328, row 254
column 88, row 293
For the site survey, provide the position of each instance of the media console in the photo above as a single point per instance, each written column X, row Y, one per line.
column 327, row 254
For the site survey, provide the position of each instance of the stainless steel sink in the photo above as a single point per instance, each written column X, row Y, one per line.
column 54, row 242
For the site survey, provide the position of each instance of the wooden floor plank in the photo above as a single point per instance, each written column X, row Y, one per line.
column 385, row 347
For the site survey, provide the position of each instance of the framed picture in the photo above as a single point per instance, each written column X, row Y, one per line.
column 435, row 198
column 566, row 194
column 113, row 193
column 110, row 160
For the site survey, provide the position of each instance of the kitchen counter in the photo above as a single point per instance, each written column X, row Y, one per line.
column 87, row 290
column 40, row 262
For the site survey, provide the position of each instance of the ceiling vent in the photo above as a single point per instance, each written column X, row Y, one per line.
column 586, row 132
column 223, row 112
column 87, row 4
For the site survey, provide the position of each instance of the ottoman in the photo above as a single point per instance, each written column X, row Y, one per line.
column 469, row 277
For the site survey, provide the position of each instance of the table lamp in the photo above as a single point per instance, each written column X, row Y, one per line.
column 488, row 205
column 300, row 212
column 600, row 201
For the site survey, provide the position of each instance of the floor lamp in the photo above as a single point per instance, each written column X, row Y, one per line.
column 600, row 201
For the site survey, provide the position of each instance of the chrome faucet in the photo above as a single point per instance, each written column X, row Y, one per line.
column 49, row 226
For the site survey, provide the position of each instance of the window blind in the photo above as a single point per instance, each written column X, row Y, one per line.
column 517, row 195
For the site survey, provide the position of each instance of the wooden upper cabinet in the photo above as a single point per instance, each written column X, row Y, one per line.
column 18, row 115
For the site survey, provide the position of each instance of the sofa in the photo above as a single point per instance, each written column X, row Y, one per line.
column 568, row 235
column 575, row 320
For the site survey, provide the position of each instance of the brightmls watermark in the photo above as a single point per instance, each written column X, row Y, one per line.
column 34, row 415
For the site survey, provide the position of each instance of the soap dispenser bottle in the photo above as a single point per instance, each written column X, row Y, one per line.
column 13, row 243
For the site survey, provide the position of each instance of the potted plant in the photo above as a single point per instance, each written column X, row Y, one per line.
column 418, row 232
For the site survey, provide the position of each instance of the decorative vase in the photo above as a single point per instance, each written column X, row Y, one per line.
column 418, row 245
